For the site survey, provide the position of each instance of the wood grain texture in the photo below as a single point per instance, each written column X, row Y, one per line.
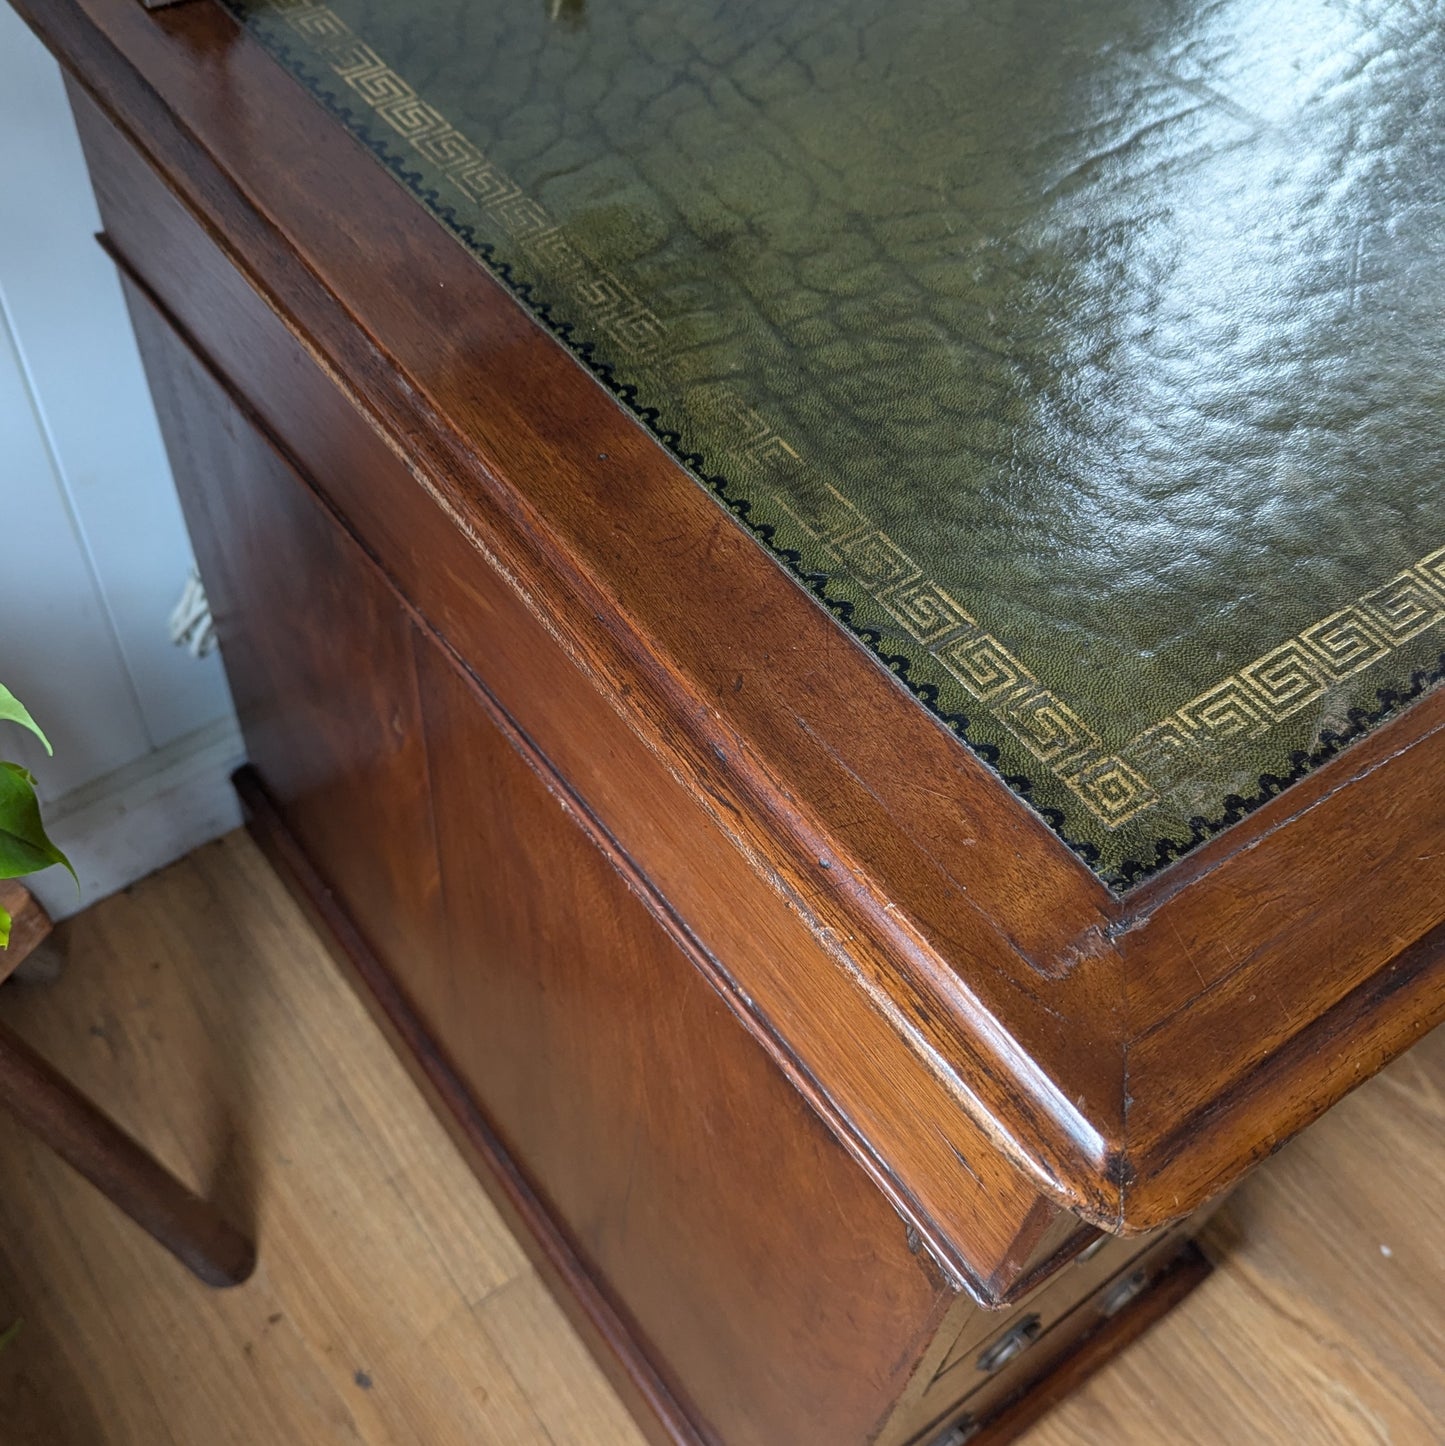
column 715, row 989
column 606, row 1334
column 942, row 1373
column 680, row 1165
column 643, row 1133
column 205, row 1011
column 767, row 940
column 202, row 1009
column 317, row 653
column 702, row 1188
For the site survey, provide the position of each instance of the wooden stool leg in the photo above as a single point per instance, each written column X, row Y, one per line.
column 45, row 1102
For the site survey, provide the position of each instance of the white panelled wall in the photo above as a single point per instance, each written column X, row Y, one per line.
column 93, row 552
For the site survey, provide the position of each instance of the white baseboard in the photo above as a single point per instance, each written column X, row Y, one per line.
column 128, row 824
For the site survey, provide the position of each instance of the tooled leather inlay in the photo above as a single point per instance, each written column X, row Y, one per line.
column 1085, row 359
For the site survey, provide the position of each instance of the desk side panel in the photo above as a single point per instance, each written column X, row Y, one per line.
column 317, row 653
column 779, row 1284
column 733, row 1235
column 901, row 1082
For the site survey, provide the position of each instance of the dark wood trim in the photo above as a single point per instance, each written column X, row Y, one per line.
column 1290, row 1087
column 1319, row 844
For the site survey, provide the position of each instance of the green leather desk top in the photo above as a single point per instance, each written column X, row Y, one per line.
column 1086, row 360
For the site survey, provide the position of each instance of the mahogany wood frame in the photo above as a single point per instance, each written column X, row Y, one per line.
column 961, row 997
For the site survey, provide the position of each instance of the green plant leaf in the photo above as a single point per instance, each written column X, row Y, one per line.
column 25, row 847
column 4, row 929
column 12, row 710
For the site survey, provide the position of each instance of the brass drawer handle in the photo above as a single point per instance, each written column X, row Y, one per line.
column 1009, row 1346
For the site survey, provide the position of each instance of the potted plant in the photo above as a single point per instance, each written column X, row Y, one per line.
column 25, row 847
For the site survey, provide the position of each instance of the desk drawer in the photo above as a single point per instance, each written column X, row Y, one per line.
column 996, row 1405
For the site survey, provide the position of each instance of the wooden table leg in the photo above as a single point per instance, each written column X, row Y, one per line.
column 192, row 1229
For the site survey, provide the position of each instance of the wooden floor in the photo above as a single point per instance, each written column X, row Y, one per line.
column 391, row 1306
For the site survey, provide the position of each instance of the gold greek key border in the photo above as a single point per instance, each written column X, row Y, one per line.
column 1297, row 672
column 1040, row 720
column 1114, row 786
column 496, row 194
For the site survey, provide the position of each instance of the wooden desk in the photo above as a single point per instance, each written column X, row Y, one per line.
column 856, row 1044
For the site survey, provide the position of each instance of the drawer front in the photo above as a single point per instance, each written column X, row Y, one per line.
column 1053, row 1357
column 976, row 1356
column 989, row 1347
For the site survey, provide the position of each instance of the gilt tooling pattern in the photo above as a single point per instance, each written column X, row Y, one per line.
column 1084, row 360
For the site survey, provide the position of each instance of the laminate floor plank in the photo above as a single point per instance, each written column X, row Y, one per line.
column 555, row 1371
column 202, row 1012
column 392, row 1308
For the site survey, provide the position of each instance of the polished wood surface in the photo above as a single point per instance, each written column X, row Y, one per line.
column 555, row 1006
column 666, row 1127
column 682, row 1167
column 658, row 1414
column 205, row 1011
column 1071, row 1308
column 672, row 834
